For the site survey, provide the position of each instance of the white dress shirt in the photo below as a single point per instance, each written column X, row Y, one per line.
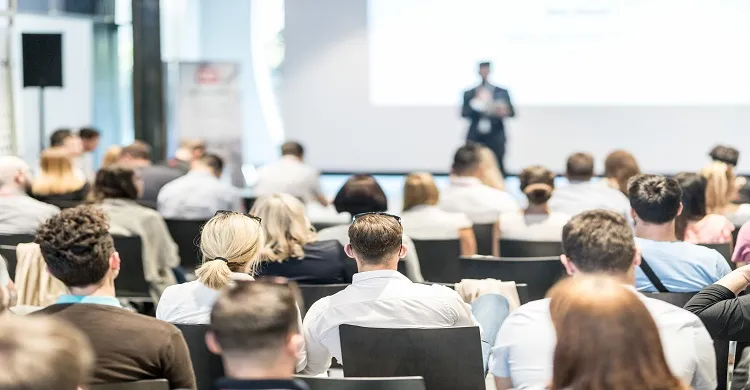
column 288, row 176
column 22, row 214
column 580, row 196
column 341, row 234
column 425, row 222
column 526, row 342
column 740, row 216
column 378, row 299
column 481, row 203
column 197, row 196
column 516, row 225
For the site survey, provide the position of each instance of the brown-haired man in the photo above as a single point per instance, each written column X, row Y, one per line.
column 381, row 297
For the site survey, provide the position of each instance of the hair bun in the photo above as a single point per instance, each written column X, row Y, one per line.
column 538, row 192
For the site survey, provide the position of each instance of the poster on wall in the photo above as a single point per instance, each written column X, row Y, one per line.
column 208, row 107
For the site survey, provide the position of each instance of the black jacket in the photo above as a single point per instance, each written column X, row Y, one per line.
column 474, row 116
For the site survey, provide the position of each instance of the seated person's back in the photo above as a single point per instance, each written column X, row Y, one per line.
column 582, row 194
column 290, row 175
column 57, row 181
column 292, row 249
column 19, row 213
column 200, row 193
column 680, row 266
column 137, row 156
column 695, row 224
column 79, row 251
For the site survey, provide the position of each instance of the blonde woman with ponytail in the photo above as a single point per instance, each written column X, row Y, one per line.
column 721, row 188
column 536, row 222
column 292, row 249
column 231, row 244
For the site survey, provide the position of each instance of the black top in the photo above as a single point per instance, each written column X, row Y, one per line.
column 726, row 316
column 324, row 263
column 78, row 195
column 260, row 384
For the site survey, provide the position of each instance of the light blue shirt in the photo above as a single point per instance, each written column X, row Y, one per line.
column 97, row 300
column 197, row 196
column 578, row 197
column 681, row 266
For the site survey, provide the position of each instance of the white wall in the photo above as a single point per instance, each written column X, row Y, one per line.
column 69, row 106
column 325, row 104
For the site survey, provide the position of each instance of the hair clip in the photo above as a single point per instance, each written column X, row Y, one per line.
column 222, row 259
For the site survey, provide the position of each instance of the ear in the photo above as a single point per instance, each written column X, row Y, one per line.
column 114, row 261
column 349, row 251
column 637, row 257
column 633, row 214
column 570, row 268
column 294, row 344
column 212, row 344
column 402, row 252
column 679, row 211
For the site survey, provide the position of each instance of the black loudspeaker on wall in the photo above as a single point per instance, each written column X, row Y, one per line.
column 42, row 60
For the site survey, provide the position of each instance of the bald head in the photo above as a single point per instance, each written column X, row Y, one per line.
column 14, row 174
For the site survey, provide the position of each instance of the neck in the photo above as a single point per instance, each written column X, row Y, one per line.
column 656, row 232
column 574, row 179
column 140, row 163
column 202, row 169
column 626, row 279
column 390, row 265
column 537, row 209
column 9, row 190
column 250, row 369
column 104, row 289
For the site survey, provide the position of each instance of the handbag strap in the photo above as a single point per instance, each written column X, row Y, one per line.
column 652, row 276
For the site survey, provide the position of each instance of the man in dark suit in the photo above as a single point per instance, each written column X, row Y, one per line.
column 485, row 106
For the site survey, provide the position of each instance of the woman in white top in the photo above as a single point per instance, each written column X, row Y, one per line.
column 536, row 222
column 423, row 220
column 490, row 174
column 231, row 244
column 721, row 188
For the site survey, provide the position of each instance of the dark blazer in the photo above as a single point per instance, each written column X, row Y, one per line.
column 467, row 112
column 154, row 178
column 78, row 195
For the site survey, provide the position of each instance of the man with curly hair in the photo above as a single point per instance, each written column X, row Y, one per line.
column 78, row 250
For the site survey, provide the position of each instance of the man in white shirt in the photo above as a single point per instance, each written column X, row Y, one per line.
column 290, row 175
column 598, row 242
column 19, row 213
column 582, row 193
column 466, row 194
column 381, row 297
column 90, row 138
column 200, row 193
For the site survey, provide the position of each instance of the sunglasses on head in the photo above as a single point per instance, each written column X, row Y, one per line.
column 227, row 212
column 396, row 217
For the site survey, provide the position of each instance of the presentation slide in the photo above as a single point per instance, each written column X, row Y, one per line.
column 561, row 52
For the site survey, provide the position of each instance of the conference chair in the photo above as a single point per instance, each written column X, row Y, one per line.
column 208, row 367
column 447, row 358
column 131, row 283
column 484, row 234
column 518, row 248
column 677, row 299
column 248, row 202
column 399, row 383
column 8, row 244
column 153, row 384
column 324, row 225
column 65, row 204
column 312, row 293
column 725, row 249
column 539, row 273
column 186, row 234
column 439, row 260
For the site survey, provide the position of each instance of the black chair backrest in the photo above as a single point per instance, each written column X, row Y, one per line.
column 131, row 282
column 517, row 248
column 484, row 236
column 65, row 204
column 153, row 384
column 324, row 225
column 208, row 367
column 677, row 299
column 8, row 245
column 447, row 358
column 186, row 234
column 439, row 260
column 725, row 249
column 399, row 383
column 539, row 273
column 311, row 293
column 735, row 234
column 248, row 203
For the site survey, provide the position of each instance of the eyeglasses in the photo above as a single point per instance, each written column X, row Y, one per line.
column 396, row 217
column 227, row 212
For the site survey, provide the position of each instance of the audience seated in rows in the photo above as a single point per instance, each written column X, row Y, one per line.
column 137, row 156
column 43, row 353
column 292, row 248
column 19, row 213
column 254, row 327
column 536, row 222
column 607, row 339
column 116, row 190
column 79, row 251
column 468, row 195
column 490, row 170
column 200, row 193
column 680, row 266
column 423, row 220
column 730, row 156
column 362, row 194
column 582, row 194
column 190, row 149
column 694, row 224
column 721, row 190
column 619, row 167
column 380, row 296
column 56, row 180
column 290, row 175
column 598, row 242
column 742, row 246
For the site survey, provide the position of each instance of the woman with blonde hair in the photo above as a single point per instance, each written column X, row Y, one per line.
column 112, row 155
column 490, row 174
column 721, row 188
column 292, row 249
column 231, row 244
column 606, row 339
column 423, row 220
column 57, row 180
